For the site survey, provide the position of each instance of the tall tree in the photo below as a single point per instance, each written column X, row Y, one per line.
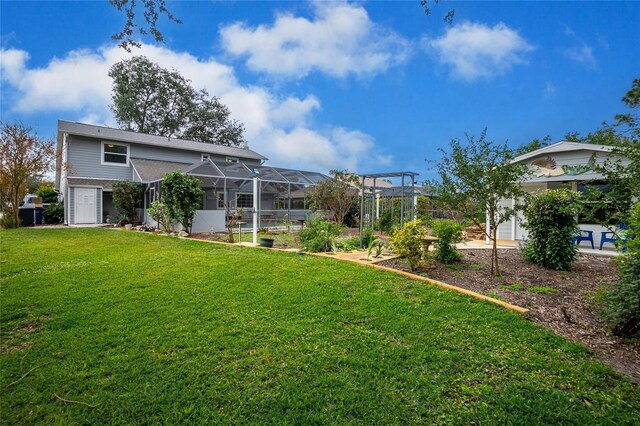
column 475, row 178
column 335, row 195
column 150, row 99
column 152, row 9
column 23, row 155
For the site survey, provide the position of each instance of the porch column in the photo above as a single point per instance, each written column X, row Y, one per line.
column 255, row 208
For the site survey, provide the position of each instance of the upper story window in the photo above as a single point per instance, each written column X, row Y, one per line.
column 116, row 154
column 205, row 157
column 232, row 160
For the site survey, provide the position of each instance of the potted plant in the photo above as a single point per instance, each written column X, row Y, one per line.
column 266, row 242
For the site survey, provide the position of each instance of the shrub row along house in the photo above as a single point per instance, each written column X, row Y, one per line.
column 563, row 164
column 91, row 158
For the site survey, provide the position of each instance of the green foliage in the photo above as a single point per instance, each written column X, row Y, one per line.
column 367, row 236
column 47, row 193
column 160, row 213
column 127, row 197
column 320, row 235
column 54, row 213
column 475, row 177
column 150, row 99
column 551, row 219
column 407, row 242
column 182, row 196
column 335, row 196
column 622, row 300
column 375, row 247
column 7, row 221
column 449, row 232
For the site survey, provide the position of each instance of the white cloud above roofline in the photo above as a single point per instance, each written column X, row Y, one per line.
column 78, row 87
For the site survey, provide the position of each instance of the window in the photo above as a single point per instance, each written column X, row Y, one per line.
column 244, row 201
column 115, row 154
column 221, row 200
column 204, row 157
column 280, row 203
column 232, row 160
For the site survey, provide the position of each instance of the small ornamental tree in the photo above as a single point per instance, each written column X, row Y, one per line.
column 182, row 195
column 551, row 219
column 127, row 197
column 407, row 242
column 160, row 213
column 335, row 195
column 23, row 155
column 475, row 178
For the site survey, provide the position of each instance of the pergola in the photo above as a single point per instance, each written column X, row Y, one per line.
column 407, row 207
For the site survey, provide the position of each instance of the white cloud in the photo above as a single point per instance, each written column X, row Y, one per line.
column 582, row 54
column 340, row 40
column 475, row 50
column 78, row 86
column 549, row 90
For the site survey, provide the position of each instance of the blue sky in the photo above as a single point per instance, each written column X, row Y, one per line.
column 368, row 86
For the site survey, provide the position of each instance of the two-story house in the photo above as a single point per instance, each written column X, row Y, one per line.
column 91, row 158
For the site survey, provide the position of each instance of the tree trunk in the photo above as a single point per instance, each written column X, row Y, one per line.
column 495, row 270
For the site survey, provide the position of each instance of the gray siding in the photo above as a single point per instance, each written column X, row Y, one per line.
column 72, row 206
column 85, row 158
column 98, row 205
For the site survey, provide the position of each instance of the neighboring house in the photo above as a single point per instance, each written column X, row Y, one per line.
column 91, row 158
column 561, row 165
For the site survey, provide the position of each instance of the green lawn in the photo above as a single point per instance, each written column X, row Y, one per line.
column 150, row 329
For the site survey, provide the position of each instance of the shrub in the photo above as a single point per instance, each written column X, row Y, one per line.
column 551, row 219
column 7, row 222
column 160, row 213
column 48, row 194
column 320, row 235
column 127, row 197
column 622, row 300
column 367, row 237
column 449, row 233
column 407, row 242
column 182, row 195
column 54, row 213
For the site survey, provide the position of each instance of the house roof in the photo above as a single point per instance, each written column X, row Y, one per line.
column 562, row 146
column 109, row 133
column 152, row 170
column 105, row 184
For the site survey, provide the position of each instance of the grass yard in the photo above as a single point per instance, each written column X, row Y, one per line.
column 138, row 328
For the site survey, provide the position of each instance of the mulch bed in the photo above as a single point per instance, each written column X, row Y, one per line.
column 566, row 305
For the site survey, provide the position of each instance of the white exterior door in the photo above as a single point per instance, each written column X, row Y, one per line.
column 86, row 205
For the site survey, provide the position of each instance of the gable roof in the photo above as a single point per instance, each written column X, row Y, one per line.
column 562, row 146
column 109, row 133
column 152, row 170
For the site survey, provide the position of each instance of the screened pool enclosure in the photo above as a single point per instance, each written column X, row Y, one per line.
column 279, row 193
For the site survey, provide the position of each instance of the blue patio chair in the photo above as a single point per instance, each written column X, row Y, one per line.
column 613, row 238
column 584, row 236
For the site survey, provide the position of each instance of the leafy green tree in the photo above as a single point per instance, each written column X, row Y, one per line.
column 127, row 197
column 182, row 195
column 335, row 195
column 475, row 178
column 150, row 99
column 23, row 155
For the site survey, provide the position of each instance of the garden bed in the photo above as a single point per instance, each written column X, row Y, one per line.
column 560, row 301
